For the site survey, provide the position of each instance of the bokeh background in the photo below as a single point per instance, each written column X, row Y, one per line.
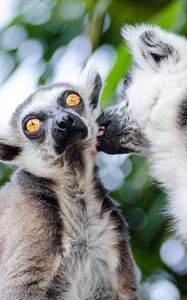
column 42, row 42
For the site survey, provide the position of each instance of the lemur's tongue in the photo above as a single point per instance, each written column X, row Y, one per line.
column 99, row 133
column 94, row 150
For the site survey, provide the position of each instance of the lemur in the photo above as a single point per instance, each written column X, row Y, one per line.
column 61, row 237
column 151, row 117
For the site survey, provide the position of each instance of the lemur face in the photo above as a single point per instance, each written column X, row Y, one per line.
column 52, row 121
column 154, row 91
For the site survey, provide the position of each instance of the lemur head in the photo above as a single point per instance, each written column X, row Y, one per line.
column 159, row 70
column 54, row 124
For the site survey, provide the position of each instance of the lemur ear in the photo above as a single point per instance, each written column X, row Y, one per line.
column 8, row 153
column 93, row 85
column 151, row 45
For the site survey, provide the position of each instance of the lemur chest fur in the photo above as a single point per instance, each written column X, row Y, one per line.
column 83, row 231
column 90, row 244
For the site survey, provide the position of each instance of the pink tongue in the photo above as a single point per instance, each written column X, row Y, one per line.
column 101, row 131
column 94, row 150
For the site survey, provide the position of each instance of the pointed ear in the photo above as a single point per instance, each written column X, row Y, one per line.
column 151, row 46
column 93, row 84
column 8, row 153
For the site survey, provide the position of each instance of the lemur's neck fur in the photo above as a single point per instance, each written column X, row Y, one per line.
column 79, row 174
column 78, row 195
column 76, row 176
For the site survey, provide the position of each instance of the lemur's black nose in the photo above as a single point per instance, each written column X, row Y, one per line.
column 67, row 122
column 68, row 129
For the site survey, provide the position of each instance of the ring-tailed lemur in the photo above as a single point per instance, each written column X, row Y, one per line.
column 152, row 116
column 60, row 236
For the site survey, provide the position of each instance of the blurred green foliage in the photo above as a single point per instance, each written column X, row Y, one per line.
column 55, row 24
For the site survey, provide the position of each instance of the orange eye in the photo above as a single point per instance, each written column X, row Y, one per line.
column 33, row 125
column 72, row 99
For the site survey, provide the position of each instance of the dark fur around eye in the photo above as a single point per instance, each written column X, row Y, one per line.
column 41, row 132
column 62, row 98
column 79, row 108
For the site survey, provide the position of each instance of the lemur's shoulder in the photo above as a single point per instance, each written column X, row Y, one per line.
column 28, row 207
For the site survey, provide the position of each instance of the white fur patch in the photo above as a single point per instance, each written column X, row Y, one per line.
column 155, row 96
